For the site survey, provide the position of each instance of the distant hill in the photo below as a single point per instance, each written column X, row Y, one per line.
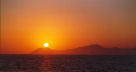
column 43, row 51
column 89, row 50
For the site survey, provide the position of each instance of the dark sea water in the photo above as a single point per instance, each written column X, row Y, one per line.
column 68, row 63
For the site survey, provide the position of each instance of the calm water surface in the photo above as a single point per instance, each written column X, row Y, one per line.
column 67, row 63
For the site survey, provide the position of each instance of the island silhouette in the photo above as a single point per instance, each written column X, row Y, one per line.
column 94, row 49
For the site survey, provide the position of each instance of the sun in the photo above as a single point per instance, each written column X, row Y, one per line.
column 45, row 44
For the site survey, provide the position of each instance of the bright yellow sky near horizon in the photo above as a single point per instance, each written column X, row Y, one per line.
column 64, row 24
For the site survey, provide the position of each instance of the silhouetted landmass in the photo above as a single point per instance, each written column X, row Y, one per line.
column 43, row 51
column 89, row 50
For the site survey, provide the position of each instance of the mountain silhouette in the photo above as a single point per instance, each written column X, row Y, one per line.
column 43, row 51
column 89, row 50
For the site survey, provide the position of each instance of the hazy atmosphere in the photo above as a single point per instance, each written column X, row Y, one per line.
column 27, row 24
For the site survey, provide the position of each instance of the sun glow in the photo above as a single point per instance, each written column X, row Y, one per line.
column 46, row 45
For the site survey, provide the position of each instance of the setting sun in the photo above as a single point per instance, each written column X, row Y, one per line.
column 46, row 45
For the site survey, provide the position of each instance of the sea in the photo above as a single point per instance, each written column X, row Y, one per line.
column 67, row 63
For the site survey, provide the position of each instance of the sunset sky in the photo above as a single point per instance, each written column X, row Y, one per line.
column 28, row 24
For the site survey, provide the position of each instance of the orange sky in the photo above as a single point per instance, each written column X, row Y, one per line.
column 28, row 24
